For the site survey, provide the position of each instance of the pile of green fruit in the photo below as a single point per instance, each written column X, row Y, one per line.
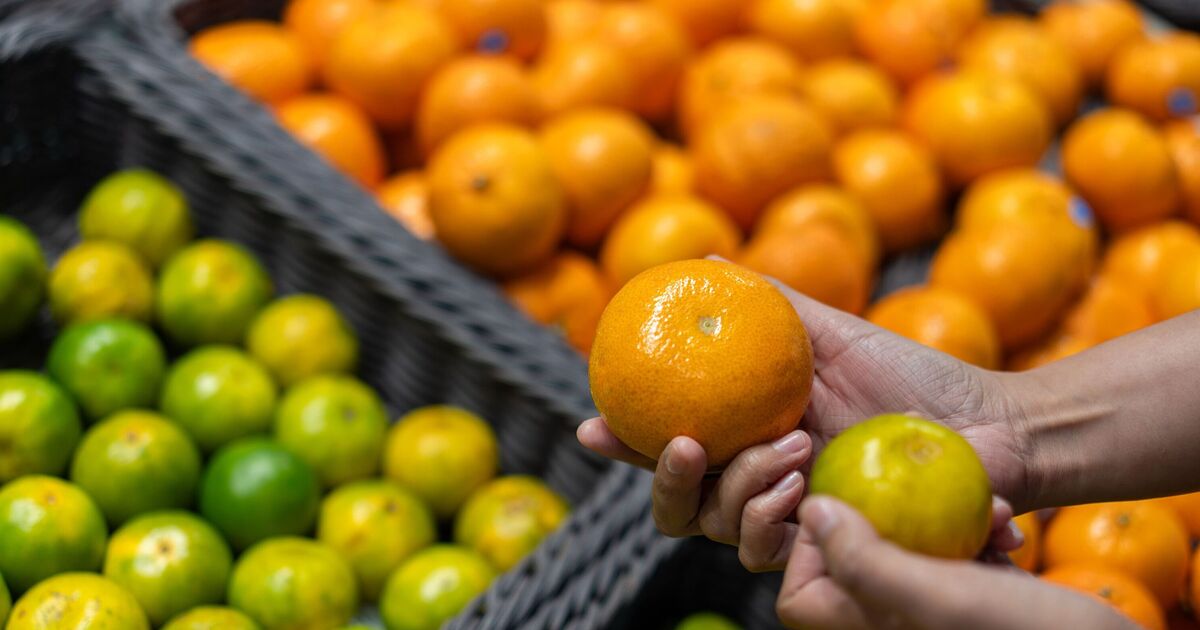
column 259, row 428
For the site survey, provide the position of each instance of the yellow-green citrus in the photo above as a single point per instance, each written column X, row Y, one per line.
column 442, row 453
column 39, row 426
column 138, row 208
column 507, row 519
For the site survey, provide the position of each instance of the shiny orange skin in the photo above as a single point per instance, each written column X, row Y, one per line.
column 1179, row 291
column 705, row 20
column 705, row 349
column 665, row 229
column 260, row 58
column 406, row 198
column 1113, row 587
column 510, row 27
column 570, row 20
column 568, row 292
column 812, row 204
column 977, row 123
column 941, row 319
column 316, row 22
column 1056, row 347
column 383, row 59
column 1094, row 31
column 1029, row 555
column 1110, row 308
column 671, row 171
column 1143, row 257
column 471, row 90
column 1143, row 538
column 1183, row 140
column 656, row 48
column 1158, row 77
column 1187, row 506
column 910, row 39
column 340, row 132
column 732, row 69
column 756, row 148
column 818, row 261
column 585, row 73
column 1121, row 165
column 811, row 29
column 897, row 181
column 853, row 95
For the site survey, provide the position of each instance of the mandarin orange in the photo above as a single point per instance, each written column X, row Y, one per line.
column 317, row 22
column 852, row 94
column 339, row 131
column 470, row 90
column 910, row 39
column 567, row 292
column 1094, row 31
column 671, row 171
column 262, row 59
column 819, row 261
column 1159, row 77
column 405, row 197
column 941, row 319
column 1113, row 587
column 1029, row 555
column 732, row 69
column 705, row 20
column 1143, row 257
column 583, row 73
column 665, row 229
column 814, row 204
column 1183, row 140
column 1110, row 308
column 509, row 27
column 657, row 51
column 811, row 29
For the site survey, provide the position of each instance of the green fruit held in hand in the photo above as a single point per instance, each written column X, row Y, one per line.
column 100, row 279
column 47, row 526
column 22, row 276
column 140, row 209
column 508, row 518
column 294, row 583
column 210, row 292
column 336, row 424
column 38, row 426
column 212, row 618
column 77, row 601
column 108, row 365
column 443, row 454
column 300, row 336
column 433, row 586
column 920, row 484
column 219, row 394
column 135, row 462
column 255, row 489
column 707, row 621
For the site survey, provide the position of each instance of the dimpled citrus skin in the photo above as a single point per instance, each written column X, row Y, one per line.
column 705, row 349
column 77, row 601
column 294, row 583
column 47, row 526
column 212, row 618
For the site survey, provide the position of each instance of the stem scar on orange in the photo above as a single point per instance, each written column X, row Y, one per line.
column 705, row 349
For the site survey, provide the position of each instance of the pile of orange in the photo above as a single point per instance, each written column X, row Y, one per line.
column 563, row 146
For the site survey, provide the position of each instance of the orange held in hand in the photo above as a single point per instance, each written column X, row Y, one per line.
column 262, row 59
column 704, row 349
column 943, row 320
column 1113, row 587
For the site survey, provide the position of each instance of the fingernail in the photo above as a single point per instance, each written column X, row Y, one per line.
column 674, row 464
column 788, row 483
column 791, row 443
column 1016, row 532
column 820, row 518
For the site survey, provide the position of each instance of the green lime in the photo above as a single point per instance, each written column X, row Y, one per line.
column 375, row 525
column 22, row 276
column 255, row 489
column 219, row 394
column 138, row 208
column 98, row 279
column 79, row 601
column 336, row 424
column 508, row 518
column 442, row 453
column 433, row 586
column 135, row 462
column 294, row 583
column 108, row 365
column 38, row 426
column 707, row 621
column 210, row 292
column 299, row 336
column 212, row 618
column 47, row 526
column 170, row 561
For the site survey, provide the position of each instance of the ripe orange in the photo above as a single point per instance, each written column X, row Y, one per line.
column 568, row 292
column 1110, row 308
column 494, row 200
column 262, row 59
column 406, row 198
column 852, row 94
column 471, row 90
column 603, row 158
column 664, row 229
column 814, row 204
column 1143, row 538
column 733, row 69
column 671, row 171
column 705, row 20
column 586, row 73
column 1122, row 166
column 1053, row 348
column 316, row 22
column 977, row 123
column 513, row 27
column 909, row 39
column 383, row 59
column 943, row 320
column 705, row 349
column 811, row 29
column 570, row 21
column 339, row 131
column 1183, row 139
column 1187, row 506
column 656, row 48
column 755, row 148
column 898, row 183
column 1113, row 587
column 1094, row 31
column 1030, row 554
column 1179, row 292
column 1195, row 590
column 819, row 261
column 1160, row 77
column 1143, row 257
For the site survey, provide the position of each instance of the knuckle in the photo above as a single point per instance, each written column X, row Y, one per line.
column 752, row 561
column 666, row 526
column 715, row 527
column 788, row 612
column 850, row 566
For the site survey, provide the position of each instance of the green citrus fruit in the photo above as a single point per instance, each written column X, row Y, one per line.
column 336, row 424
column 47, row 526
column 22, row 276
column 294, row 583
column 508, row 518
column 442, row 453
column 299, row 336
column 210, row 292
column 375, row 525
column 38, row 426
column 219, row 394
column 920, row 484
column 170, row 561
column 108, row 365
column 707, row 621
column 212, row 618
column 255, row 489
column 79, row 601
column 138, row 208
column 433, row 586
column 98, row 279
column 135, row 462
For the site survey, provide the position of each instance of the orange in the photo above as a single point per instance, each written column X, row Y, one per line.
column 733, row 69
column 941, row 319
column 1056, row 347
column 1115, row 588
column 340, row 132
column 814, row 204
column 755, row 148
column 1195, row 590
column 1121, row 165
column 705, row 20
column 705, row 349
column 909, row 39
column 1187, row 506
column 1183, row 140
column 383, row 59
column 470, row 90
column 513, row 27
column 852, row 94
column 664, row 229
column 1160, row 77
column 1143, row 538
column 316, row 22
column 259, row 58
column 604, row 159
column 977, row 123
column 898, row 183
column 671, row 171
column 585, row 73
column 1030, row 553
column 568, row 292
column 811, row 29
column 570, row 20
column 819, row 261
column 1019, row 48
column 1143, row 257
column 406, row 198
column 1179, row 292
column 656, row 48
column 1110, row 308
column 494, row 199
column 1094, row 31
